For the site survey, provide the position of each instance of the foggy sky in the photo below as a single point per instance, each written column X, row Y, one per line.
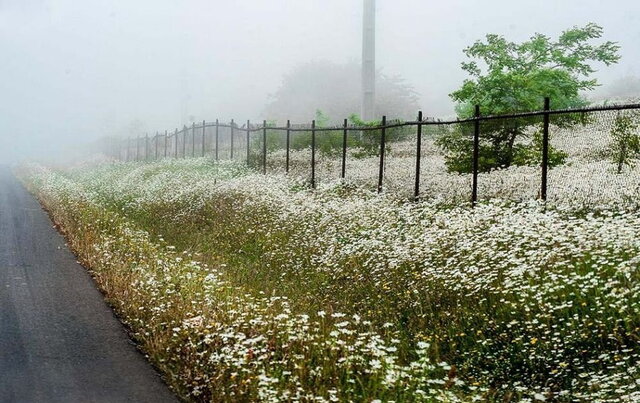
column 83, row 69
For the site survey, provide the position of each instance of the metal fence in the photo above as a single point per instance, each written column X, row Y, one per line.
column 564, row 147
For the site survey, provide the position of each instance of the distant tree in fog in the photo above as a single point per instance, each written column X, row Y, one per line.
column 135, row 127
column 335, row 89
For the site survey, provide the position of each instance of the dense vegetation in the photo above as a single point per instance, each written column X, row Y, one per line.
column 508, row 77
column 248, row 287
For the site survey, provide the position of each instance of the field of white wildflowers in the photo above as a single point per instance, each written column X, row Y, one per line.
column 245, row 287
column 587, row 180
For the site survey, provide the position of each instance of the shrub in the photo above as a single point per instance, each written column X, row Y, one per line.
column 458, row 145
column 625, row 139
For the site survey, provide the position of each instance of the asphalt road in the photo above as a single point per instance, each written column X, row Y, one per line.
column 59, row 341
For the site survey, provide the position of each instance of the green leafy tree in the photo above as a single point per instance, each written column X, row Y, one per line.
column 625, row 139
column 366, row 141
column 508, row 77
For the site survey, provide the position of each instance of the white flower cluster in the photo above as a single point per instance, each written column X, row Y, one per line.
column 356, row 296
column 212, row 339
column 588, row 179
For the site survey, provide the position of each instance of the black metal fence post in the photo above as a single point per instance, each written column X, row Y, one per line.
column 416, row 187
column 175, row 140
column 288, row 145
column 343, row 170
column 193, row 139
column 217, row 138
column 165, row 143
column 313, row 154
column 545, row 150
column 264, row 147
column 231, row 156
column 476, row 153
column 146, row 147
column 204, row 128
column 248, row 142
column 184, row 141
column 382, row 144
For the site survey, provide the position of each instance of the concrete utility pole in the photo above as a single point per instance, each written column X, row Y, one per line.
column 184, row 105
column 369, row 60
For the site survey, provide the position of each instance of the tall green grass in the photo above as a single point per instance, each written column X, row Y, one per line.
column 352, row 295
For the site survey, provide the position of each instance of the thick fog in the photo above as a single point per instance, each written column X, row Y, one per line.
column 72, row 71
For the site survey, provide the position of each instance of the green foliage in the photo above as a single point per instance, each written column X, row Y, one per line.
column 459, row 147
column 330, row 142
column 531, row 310
column 275, row 140
column 368, row 140
column 531, row 154
column 517, row 76
column 322, row 120
column 625, row 139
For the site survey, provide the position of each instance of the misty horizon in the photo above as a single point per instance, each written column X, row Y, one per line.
column 74, row 72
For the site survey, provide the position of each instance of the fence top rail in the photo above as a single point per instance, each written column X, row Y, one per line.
column 397, row 123
column 516, row 115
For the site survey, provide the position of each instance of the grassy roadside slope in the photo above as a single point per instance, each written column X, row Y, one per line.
column 271, row 292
